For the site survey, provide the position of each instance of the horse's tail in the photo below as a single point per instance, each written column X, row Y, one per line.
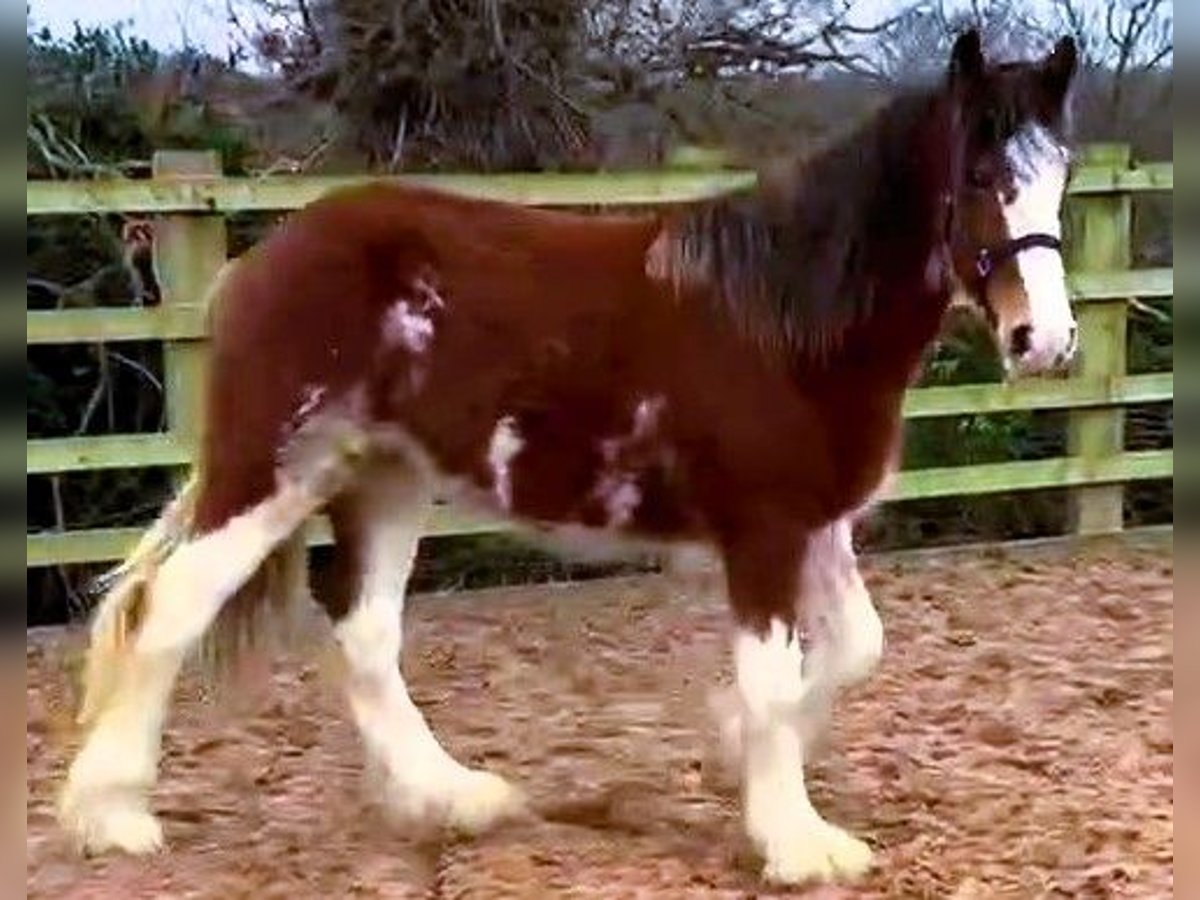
column 254, row 610
column 263, row 611
column 123, row 605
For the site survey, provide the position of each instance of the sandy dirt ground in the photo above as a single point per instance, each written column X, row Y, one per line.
column 1017, row 742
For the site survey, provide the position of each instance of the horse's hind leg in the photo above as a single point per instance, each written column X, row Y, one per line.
column 377, row 528
column 104, row 803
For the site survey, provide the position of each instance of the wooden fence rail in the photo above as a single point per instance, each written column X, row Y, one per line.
column 190, row 198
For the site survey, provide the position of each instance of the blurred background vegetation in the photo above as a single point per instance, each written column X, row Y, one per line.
column 494, row 85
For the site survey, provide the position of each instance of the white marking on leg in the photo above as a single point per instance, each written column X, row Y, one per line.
column 796, row 843
column 202, row 574
column 423, row 783
column 104, row 802
column 860, row 636
column 506, row 442
column 846, row 633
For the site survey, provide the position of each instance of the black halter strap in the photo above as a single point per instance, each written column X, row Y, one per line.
column 991, row 258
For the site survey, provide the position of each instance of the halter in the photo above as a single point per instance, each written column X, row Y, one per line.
column 991, row 258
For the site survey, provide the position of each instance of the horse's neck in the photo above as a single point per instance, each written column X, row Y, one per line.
column 902, row 269
column 884, row 351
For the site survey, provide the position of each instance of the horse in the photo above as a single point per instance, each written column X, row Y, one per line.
column 725, row 374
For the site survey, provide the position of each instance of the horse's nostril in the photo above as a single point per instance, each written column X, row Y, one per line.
column 1021, row 340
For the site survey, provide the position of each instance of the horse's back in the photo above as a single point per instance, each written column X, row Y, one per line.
column 471, row 325
column 424, row 309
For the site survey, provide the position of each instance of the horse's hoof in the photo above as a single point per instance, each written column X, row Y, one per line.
column 822, row 854
column 481, row 801
column 113, row 826
column 466, row 802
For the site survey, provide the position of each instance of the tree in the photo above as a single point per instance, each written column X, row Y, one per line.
column 515, row 83
column 1126, row 38
column 918, row 43
column 723, row 38
column 483, row 84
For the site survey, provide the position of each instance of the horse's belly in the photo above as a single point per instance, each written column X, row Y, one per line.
column 597, row 484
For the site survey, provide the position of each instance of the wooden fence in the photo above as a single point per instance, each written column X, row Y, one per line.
column 190, row 198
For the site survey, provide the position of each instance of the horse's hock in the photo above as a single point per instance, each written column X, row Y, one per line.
column 1016, row 742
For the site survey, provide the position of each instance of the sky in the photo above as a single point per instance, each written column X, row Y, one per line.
column 164, row 23
column 176, row 23
column 169, row 24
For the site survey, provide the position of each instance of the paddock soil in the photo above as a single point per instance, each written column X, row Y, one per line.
column 1017, row 742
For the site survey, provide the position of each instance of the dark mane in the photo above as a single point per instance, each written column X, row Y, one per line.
column 798, row 259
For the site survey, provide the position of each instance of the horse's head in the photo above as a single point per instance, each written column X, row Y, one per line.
column 1007, row 257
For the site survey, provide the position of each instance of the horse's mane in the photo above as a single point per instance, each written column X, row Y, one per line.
column 796, row 260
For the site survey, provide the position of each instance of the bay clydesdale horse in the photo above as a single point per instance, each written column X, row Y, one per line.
column 726, row 374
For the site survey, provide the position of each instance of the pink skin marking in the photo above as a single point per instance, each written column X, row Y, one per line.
column 310, row 399
column 410, row 323
column 645, row 422
column 646, row 416
column 313, row 394
column 411, row 330
column 617, row 489
column 620, row 496
column 506, row 442
column 428, row 295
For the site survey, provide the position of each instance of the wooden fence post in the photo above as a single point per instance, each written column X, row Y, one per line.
column 1101, row 239
column 189, row 250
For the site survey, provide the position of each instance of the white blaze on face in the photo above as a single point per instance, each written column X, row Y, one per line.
column 506, row 443
column 1039, row 164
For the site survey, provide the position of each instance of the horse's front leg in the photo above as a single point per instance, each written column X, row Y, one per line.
column 778, row 695
column 843, row 631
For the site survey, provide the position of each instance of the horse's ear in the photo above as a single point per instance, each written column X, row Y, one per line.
column 1059, row 67
column 966, row 59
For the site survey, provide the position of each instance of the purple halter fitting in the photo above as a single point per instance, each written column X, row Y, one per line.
column 991, row 258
